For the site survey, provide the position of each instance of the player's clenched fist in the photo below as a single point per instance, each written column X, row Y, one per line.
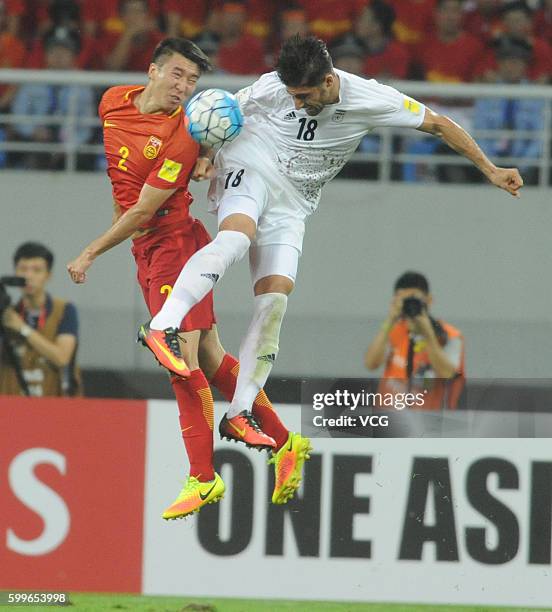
column 78, row 267
column 508, row 179
column 203, row 169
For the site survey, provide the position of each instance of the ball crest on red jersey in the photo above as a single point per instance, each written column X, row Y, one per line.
column 151, row 150
column 214, row 117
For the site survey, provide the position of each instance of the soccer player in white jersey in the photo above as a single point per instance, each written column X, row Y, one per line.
column 302, row 123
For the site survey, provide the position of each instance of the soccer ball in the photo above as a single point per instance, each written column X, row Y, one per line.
column 214, row 117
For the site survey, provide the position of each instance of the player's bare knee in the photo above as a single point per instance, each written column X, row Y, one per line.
column 274, row 284
column 238, row 222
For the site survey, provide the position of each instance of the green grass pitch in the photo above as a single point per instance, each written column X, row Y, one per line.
column 140, row 603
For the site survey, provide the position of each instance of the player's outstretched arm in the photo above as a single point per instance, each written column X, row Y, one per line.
column 458, row 139
column 150, row 200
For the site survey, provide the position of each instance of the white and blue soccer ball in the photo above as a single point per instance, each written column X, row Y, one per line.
column 214, row 117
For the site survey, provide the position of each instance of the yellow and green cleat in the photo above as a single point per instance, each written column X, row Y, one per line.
column 288, row 466
column 194, row 496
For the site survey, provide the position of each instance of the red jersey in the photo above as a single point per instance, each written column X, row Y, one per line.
column 156, row 150
column 105, row 13
column 329, row 19
column 483, row 27
column 543, row 25
column 450, row 62
column 391, row 62
column 193, row 15
column 413, row 20
column 12, row 52
column 140, row 54
column 15, row 7
column 245, row 56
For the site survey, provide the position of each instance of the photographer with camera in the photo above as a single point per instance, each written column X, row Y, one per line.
column 421, row 354
column 38, row 334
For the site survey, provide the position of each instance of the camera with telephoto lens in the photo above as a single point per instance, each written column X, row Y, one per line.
column 412, row 307
column 8, row 281
column 6, row 345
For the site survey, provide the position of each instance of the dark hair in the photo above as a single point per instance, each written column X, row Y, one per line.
column 516, row 5
column 441, row 2
column 64, row 11
column 412, row 280
column 384, row 14
column 30, row 250
column 184, row 47
column 62, row 36
column 303, row 61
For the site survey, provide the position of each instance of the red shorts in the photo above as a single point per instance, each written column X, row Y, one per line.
column 160, row 256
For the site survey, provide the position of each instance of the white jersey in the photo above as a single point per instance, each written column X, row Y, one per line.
column 310, row 150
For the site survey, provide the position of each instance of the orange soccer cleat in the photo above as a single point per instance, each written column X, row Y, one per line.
column 244, row 428
column 166, row 348
column 288, row 466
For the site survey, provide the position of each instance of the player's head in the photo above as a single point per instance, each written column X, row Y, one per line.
column 305, row 68
column 175, row 68
column 413, row 284
column 33, row 261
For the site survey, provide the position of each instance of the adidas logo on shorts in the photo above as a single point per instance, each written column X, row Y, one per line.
column 290, row 116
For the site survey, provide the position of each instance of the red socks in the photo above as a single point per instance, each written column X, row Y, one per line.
column 196, row 408
column 225, row 381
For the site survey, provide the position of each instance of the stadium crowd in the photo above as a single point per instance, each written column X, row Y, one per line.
column 450, row 41
column 435, row 40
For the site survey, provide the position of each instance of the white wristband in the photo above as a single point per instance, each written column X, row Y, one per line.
column 26, row 331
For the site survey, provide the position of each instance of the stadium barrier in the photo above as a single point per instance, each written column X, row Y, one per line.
column 464, row 521
column 455, row 100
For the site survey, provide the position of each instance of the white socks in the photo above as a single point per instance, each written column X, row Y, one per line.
column 199, row 275
column 258, row 350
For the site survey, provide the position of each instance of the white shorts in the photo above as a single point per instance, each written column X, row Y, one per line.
column 263, row 195
column 280, row 259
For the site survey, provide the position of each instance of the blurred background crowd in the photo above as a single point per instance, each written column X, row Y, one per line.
column 433, row 40
column 440, row 41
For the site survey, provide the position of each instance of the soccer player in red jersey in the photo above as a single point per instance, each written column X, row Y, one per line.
column 151, row 158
